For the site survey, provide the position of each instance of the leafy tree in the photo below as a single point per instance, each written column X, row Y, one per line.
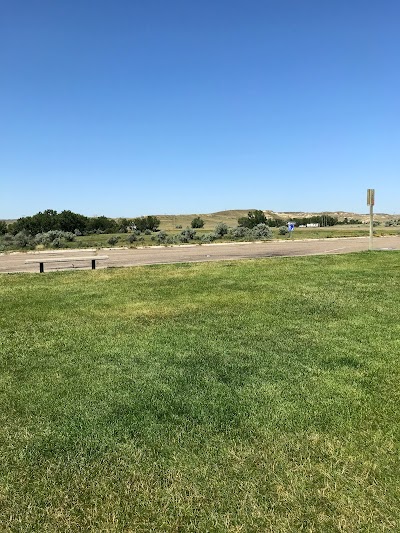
column 253, row 218
column 3, row 227
column 143, row 223
column 69, row 221
column 102, row 224
column 197, row 222
column 39, row 223
column 123, row 225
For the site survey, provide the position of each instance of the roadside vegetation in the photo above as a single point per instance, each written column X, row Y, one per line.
column 258, row 395
column 70, row 230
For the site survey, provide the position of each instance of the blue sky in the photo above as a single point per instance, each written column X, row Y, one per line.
column 127, row 108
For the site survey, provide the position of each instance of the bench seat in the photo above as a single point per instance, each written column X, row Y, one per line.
column 43, row 260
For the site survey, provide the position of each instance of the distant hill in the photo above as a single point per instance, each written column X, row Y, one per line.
column 230, row 217
column 341, row 215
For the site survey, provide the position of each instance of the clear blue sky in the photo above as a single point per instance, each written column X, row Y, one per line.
column 126, row 108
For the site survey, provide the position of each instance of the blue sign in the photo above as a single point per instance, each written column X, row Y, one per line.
column 290, row 226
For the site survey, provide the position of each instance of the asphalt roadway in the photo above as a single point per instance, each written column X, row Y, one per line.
column 118, row 257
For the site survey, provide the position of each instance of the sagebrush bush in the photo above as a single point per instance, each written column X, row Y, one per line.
column 132, row 238
column 241, row 232
column 113, row 240
column 208, row 237
column 23, row 239
column 262, row 231
column 147, row 232
column 283, row 230
column 161, row 236
column 221, row 229
column 49, row 237
column 187, row 235
column 69, row 236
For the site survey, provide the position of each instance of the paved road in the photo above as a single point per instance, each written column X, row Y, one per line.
column 15, row 262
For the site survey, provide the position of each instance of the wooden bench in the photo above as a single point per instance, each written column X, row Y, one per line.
column 42, row 261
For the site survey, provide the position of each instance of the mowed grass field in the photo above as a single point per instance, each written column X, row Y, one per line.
column 259, row 395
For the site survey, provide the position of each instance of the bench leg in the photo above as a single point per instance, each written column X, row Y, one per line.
column 41, row 268
column 93, row 264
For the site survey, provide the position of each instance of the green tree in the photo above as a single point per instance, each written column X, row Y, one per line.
column 69, row 221
column 3, row 227
column 102, row 223
column 143, row 223
column 197, row 222
column 253, row 218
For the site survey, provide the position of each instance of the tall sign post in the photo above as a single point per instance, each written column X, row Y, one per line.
column 371, row 202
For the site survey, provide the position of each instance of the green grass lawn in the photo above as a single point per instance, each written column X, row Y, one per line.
column 248, row 396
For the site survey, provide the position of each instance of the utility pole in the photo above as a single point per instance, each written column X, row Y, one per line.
column 371, row 202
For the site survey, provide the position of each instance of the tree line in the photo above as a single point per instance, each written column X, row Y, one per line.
column 257, row 216
column 67, row 221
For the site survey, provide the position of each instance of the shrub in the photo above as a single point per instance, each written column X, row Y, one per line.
column 187, row 235
column 262, row 231
column 197, row 222
column 132, row 238
column 8, row 238
column 243, row 233
column 283, row 230
column 56, row 243
column 49, row 237
column 208, row 237
column 161, row 236
column 78, row 232
column 147, row 232
column 68, row 236
column 179, row 226
column 221, row 229
column 113, row 240
column 23, row 239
